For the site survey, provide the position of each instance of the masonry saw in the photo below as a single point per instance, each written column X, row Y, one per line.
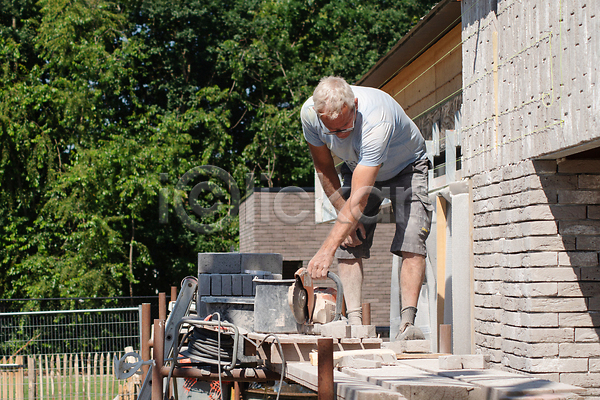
column 314, row 306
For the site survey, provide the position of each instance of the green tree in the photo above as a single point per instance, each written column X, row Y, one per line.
column 106, row 106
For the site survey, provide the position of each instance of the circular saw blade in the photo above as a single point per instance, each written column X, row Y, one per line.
column 299, row 303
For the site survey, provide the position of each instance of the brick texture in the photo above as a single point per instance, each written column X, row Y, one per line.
column 537, row 272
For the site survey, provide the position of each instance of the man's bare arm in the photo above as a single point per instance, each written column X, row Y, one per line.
column 363, row 179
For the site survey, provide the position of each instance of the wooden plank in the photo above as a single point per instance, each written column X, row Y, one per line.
column 101, row 376
column 89, row 376
column 109, row 378
column 50, row 377
column 41, row 384
column 31, row 377
column 20, row 389
column 4, row 381
column 76, row 373
column 114, row 374
column 64, row 376
column 421, row 78
column 95, row 374
column 70, row 376
column 82, row 373
column 11, row 386
column 58, row 372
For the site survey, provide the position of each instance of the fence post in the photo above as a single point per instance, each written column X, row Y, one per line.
column 31, row 377
column 162, row 306
column 145, row 338
column 20, row 395
column 159, row 342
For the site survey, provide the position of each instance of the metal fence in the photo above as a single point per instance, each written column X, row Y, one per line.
column 67, row 353
column 69, row 331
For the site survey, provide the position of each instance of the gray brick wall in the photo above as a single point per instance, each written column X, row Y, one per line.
column 272, row 222
column 537, row 272
column 529, row 79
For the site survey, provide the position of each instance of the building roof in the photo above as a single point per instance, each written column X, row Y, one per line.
column 440, row 20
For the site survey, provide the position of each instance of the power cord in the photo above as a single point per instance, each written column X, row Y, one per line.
column 283, row 364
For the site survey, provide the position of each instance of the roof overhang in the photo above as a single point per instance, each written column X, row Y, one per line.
column 440, row 20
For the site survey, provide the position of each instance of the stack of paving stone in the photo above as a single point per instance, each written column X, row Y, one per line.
column 225, row 283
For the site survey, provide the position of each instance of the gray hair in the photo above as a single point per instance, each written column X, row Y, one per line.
column 331, row 95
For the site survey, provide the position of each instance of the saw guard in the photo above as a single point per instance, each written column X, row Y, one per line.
column 304, row 282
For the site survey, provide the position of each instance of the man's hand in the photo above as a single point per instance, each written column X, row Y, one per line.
column 319, row 265
column 352, row 240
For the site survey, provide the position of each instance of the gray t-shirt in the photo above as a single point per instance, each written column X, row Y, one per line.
column 383, row 134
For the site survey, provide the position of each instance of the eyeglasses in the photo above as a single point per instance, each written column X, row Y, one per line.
column 328, row 132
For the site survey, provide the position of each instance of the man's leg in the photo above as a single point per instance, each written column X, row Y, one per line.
column 412, row 275
column 351, row 275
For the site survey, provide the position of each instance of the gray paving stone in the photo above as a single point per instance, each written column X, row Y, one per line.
column 236, row 285
column 219, row 263
column 204, row 284
column 247, row 285
column 215, row 284
column 226, row 289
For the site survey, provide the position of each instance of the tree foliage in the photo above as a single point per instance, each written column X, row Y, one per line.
column 105, row 106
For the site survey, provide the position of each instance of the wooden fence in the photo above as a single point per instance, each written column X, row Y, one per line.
column 64, row 377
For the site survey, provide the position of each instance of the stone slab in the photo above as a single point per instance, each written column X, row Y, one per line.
column 464, row 361
column 362, row 331
column 236, row 285
column 345, row 357
column 409, row 346
column 346, row 387
column 357, row 362
column 219, row 263
column 226, row 285
column 204, row 285
column 497, row 383
column 336, row 330
column 247, row 285
column 215, row 284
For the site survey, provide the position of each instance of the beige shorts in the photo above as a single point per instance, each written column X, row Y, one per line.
column 411, row 206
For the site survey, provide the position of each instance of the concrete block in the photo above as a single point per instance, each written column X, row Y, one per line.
column 204, row 285
column 336, row 330
column 362, row 331
column 226, row 289
column 271, row 262
column 236, row 285
column 219, row 263
column 409, row 346
column 247, row 285
column 357, row 362
column 353, row 358
column 215, row 284
column 464, row 361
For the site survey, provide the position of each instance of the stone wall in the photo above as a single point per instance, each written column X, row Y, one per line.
column 537, row 276
column 530, row 102
column 530, row 73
